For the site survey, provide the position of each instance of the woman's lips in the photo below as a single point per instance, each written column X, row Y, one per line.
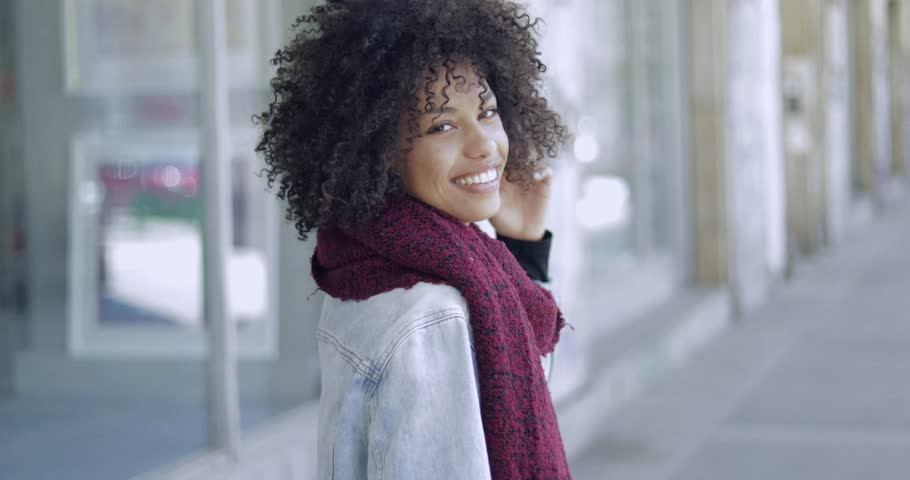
column 480, row 187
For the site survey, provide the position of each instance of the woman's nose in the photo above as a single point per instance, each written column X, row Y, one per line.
column 479, row 143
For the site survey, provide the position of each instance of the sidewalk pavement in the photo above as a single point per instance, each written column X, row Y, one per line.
column 814, row 384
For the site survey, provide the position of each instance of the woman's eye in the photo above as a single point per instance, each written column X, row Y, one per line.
column 490, row 112
column 444, row 127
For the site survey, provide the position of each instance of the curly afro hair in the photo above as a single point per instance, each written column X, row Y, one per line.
column 332, row 130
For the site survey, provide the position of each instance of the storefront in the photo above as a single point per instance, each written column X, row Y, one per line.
column 103, row 183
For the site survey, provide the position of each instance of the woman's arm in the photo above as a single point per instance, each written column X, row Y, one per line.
column 532, row 255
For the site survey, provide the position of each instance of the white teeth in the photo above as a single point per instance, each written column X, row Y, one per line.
column 484, row 177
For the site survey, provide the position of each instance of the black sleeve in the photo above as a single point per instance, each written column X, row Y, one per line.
column 532, row 255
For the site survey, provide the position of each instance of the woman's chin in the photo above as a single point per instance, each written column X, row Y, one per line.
column 480, row 213
column 467, row 210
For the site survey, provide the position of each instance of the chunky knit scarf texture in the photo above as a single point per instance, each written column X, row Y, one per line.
column 513, row 319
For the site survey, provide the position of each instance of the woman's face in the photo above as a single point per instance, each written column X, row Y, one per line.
column 460, row 151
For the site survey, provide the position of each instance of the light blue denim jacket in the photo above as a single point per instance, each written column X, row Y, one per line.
column 399, row 388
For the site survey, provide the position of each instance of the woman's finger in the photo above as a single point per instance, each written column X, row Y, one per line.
column 542, row 173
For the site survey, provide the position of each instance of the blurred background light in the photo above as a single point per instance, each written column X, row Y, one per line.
column 604, row 203
column 586, row 148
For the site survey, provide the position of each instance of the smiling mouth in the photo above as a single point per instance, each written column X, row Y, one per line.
column 489, row 176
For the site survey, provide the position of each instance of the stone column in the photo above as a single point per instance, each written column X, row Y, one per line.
column 801, row 28
column 871, row 101
column 708, row 35
column 898, row 87
column 9, row 179
column 9, row 166
column 735, row 146
column 836, row 142
column 753, row 147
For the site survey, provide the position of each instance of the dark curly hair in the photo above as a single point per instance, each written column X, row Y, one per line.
column 331, row 131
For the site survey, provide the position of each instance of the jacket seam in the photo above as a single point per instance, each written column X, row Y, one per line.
column 370, row 411
column 359, row 364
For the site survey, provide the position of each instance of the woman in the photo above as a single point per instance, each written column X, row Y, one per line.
column 397, row 124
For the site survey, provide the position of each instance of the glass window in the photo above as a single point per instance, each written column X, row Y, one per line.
column 616, row 213
column 109, row 344
column 619, row 178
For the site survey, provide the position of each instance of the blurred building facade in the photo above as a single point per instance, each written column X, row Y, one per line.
column 717, row 144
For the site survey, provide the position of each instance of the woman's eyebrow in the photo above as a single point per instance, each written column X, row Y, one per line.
column 438, row 110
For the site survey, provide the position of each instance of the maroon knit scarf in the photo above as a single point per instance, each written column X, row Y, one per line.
column 514, row 320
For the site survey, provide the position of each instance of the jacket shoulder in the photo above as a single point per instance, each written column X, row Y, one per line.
column 369, row 328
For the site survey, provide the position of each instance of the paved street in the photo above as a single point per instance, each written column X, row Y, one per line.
column 813, row 385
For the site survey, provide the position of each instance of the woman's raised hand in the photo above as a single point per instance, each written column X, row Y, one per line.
column 522, row 213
